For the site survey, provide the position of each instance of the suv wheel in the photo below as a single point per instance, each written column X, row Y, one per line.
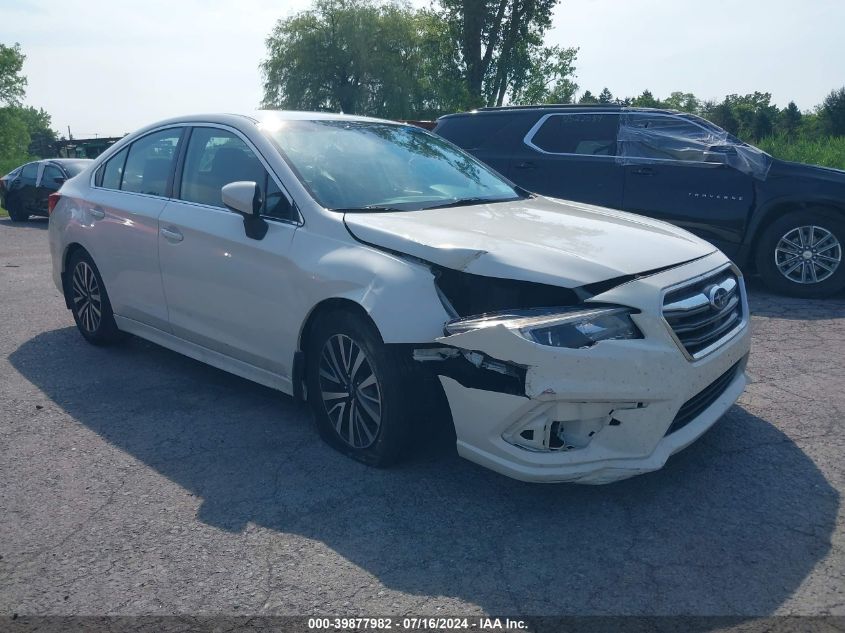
column 358, row 389
column 89, row 300
column 801, row 254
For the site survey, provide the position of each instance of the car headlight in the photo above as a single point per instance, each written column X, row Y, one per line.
column 558, row 327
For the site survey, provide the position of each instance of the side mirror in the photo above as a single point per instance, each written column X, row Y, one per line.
column 59, row 180
column 719, row 153
column 715, row 157
column 244, row 197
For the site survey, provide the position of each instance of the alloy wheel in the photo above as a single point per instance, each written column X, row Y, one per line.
column 808, row 254
column 350, row 391
column 87, row 302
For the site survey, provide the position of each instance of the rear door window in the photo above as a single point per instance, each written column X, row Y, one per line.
column 587, row 133
column 150, row 162
column 50, row 177
column 30, row 171
column 110, row 174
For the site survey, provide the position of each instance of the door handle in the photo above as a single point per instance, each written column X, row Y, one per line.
column 526, row 164
column 171, row 235
column 97, row 213
column 643, row 171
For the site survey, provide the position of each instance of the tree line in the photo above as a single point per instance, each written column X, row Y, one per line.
column 752, row 117
column 387, row 59
column 393, row 61
column 25, row 131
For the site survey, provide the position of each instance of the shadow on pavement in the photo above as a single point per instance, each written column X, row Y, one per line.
column 734, row 524
column 765, row 303
column 33, row 223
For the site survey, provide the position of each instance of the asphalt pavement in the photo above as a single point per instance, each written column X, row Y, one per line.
column 137, row 481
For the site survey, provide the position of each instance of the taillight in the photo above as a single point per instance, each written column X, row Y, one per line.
column 52, row 201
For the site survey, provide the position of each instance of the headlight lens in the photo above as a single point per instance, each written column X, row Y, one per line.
column 558, row 327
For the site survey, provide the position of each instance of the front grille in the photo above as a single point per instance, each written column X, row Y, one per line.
column 705, row 312
column 693, row 407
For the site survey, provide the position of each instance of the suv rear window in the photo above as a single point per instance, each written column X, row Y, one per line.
column 592, row 134
column 471, row 131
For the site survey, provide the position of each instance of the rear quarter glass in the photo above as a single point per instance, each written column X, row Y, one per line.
column 472, row 131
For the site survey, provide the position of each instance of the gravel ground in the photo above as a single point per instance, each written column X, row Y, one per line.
column 137, row 481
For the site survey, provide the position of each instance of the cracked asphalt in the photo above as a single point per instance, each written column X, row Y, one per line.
column 136, row 481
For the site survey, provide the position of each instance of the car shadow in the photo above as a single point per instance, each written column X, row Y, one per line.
column 34, row 222
column 762, row 302
column 732, row 525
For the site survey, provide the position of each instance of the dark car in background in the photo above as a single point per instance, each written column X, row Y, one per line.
column 785, row 220
column 24, row 191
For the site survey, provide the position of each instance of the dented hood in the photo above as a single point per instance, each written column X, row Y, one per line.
column 539, row 239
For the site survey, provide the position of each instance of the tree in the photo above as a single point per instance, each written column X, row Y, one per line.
column 750, row 117
column 646, row 100
column 723, row 116
column 14, row 137
column 441, row 82
column 587, row 98
column 12, row 83
column 498, row 39
column 790, row 119
column 39, row 125
column 548, row 79
column 350, row 55
column 605, row 96
column 832, row 113
column 683, row 101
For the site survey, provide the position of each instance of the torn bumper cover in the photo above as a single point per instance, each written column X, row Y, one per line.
column 602, row 413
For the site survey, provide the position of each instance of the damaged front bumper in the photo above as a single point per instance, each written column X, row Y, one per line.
column 594, row 415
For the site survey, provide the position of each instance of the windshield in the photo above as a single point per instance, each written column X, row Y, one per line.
column 373, row 166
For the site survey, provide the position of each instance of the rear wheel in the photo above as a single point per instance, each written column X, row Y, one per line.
column 16, row 212
column 89, row 300
column 358, row 389
column 801, row 254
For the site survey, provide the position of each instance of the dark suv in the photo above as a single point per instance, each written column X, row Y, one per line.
column 786, row 220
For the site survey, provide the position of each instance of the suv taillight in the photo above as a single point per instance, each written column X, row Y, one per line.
column 52, row 201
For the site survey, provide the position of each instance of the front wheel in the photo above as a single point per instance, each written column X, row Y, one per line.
column 800, row 254
column 89, row 300
column 357, row 389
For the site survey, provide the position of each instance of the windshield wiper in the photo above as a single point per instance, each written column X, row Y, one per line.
column 367, row 209
column 463, row 202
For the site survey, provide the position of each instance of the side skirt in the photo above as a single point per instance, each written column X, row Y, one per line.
column 205, row 355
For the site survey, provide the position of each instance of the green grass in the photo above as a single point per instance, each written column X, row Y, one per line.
column 828, row 151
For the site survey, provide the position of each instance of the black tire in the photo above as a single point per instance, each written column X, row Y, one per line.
column 826, row 222
column 378, row 444
column 87, row 294
column 16, row 212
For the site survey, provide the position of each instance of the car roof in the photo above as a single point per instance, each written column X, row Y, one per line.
column 57, row 161
column 259, row 116
column 68, row 161
column 558, row 107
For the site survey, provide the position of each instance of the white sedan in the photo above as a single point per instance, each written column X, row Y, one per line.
column 371, row 267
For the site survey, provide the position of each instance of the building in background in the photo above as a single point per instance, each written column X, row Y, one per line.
column 83, row 147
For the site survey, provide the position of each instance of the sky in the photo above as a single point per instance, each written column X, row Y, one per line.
column 105, row 68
